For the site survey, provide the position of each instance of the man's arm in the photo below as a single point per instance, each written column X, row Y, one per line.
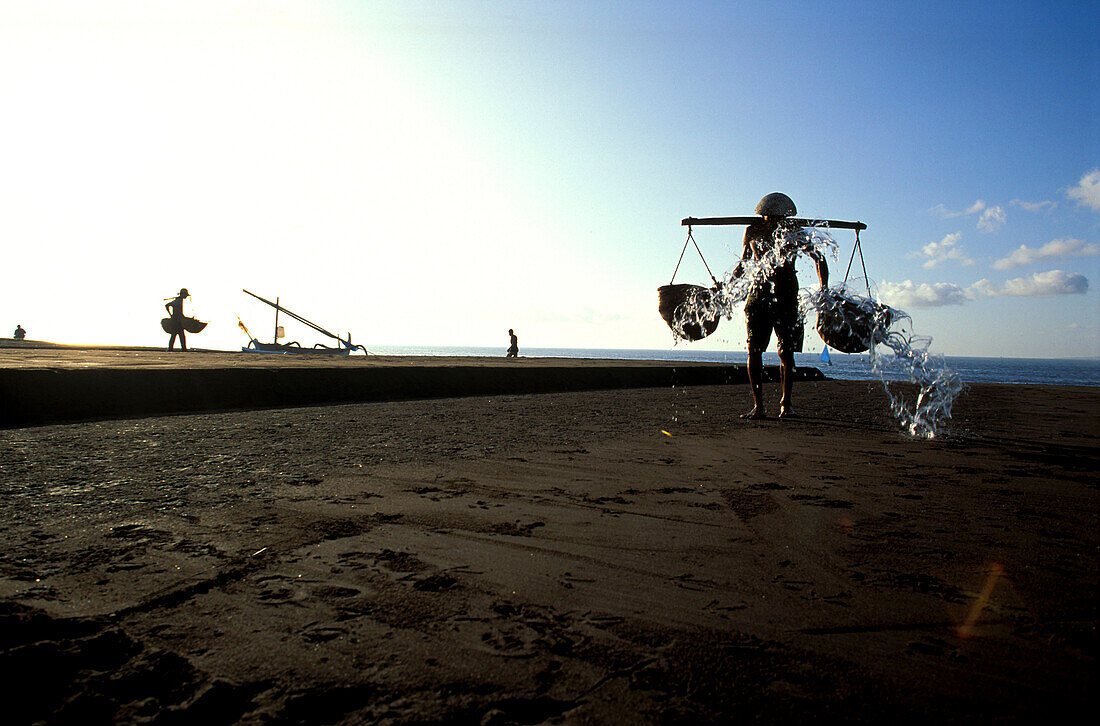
column 822, row 268
column 746, row 253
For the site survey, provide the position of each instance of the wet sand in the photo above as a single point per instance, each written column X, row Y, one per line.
column 624, row 556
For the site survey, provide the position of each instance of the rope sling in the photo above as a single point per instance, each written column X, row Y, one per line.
column 676, row 303
column 859, row 248
column 691, row 239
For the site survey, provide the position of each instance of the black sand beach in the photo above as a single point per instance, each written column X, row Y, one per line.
column 625, row 556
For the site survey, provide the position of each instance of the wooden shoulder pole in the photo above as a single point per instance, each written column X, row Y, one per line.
column 800, row 221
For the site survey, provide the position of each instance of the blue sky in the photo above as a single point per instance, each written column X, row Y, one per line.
column 435, row 173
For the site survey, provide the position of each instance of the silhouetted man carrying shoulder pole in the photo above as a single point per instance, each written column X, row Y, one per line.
column 772, row 303
column 175, row 311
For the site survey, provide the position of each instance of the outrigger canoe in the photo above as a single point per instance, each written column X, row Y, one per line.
column 255, row 346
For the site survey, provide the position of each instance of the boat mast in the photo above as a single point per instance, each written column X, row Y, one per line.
column 300, row 319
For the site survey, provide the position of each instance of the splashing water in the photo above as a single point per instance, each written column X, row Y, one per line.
column 939, row 385
column 847, row 318
column 847, row 321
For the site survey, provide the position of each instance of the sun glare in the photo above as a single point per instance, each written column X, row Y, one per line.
column 219, row 149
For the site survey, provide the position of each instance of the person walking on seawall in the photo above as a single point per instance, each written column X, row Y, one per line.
column 19, row 333
column 175, row 311
column 513, row 350
column 772, row 303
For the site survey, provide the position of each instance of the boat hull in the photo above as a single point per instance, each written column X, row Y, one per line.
column 291, row 349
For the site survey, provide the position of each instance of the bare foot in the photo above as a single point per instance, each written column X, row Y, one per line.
column 787, row 412
column 755, row 413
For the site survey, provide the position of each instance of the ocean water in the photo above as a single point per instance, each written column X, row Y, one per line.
column 1056, row 371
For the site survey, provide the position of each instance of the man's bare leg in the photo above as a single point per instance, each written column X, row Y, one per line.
column 786, row 376
column 756, row 383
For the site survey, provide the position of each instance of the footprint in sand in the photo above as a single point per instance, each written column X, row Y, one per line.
column 516, row 529
column 280, row 590
column 767, row 486
column 399, row 561
column 435, row 583
column 723, row 610
column 746, row 506
column 139, row 534
column 334, row 592
column 819, row 500
column 520, row 631
column 315, row 633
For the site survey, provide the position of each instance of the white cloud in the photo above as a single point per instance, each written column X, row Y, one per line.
column 992, row 219
column 983, row 288
column 1039, row 284
column 937, row 253
column 909, row 294
column 1044, row 206
column 941, row 211
column 1064, row 247
column 1087, row 191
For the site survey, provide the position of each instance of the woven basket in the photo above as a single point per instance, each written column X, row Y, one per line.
column 671, row 297
column 847, row 327
column 189, row 324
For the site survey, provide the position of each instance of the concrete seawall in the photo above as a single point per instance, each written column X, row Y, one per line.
column 81, row 385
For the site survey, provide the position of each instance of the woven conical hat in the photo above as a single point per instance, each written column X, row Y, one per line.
column 776, row 204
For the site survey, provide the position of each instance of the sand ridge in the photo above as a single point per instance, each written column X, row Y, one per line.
column 41, row 386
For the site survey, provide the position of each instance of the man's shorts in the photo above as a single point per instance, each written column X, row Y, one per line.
column 774, row 306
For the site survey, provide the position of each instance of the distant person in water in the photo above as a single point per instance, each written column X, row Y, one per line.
column 513, row 350
column 772, row 303
column 175, row 311
column 19, row 334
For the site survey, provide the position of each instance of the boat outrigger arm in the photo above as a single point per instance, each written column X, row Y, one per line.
column 347, row 344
